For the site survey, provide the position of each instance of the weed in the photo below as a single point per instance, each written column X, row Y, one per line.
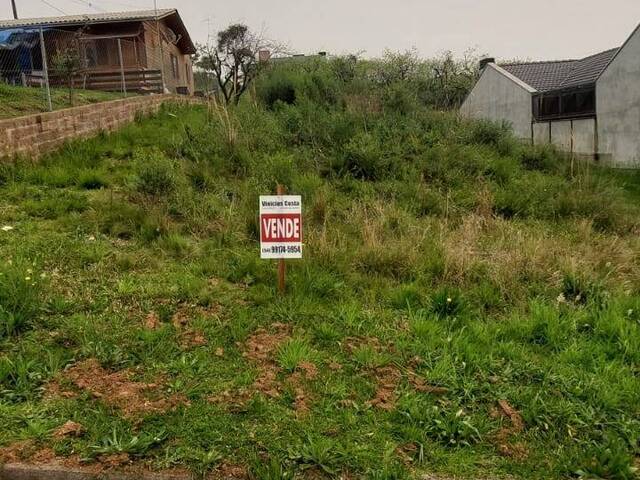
column 292, row 353
column 447, row 302
column 20, row 297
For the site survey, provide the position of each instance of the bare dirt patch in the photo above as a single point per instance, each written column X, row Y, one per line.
column 152, row 321
column 298, row 382
column 387, row 379
column 230, row 471
column 69, row 429
column 502, row 438
column 118, row 390
column 193, row 338
column 54, row 390
column 420, row 385
column 261, row 346
column 18, row 451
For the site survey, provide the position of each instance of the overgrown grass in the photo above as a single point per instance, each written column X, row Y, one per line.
column 448, row 270
column 17, row 101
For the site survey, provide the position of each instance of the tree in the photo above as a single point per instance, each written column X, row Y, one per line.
column 452, row 78
column 233, row 60
column 67, row 63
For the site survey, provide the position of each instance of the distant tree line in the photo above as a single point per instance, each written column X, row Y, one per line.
column 228, row 66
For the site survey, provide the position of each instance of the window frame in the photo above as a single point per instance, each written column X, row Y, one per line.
column 568, row 94
column 175, row 67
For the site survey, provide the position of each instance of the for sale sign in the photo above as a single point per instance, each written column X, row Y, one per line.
column 281, row 226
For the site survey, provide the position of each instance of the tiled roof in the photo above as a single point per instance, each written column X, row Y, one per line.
column 546, row 76
column 542, row 76
column 88, row 18
column 588, row 69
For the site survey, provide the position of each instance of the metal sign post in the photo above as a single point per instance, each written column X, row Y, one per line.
column 124, row 83
column 45, row 69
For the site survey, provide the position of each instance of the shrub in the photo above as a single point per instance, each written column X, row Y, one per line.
column 485, row 132
column 364, row 158
column 278, row 85
column 91, row 180
column 156, row 174
column 542, row 158
column 399, row 98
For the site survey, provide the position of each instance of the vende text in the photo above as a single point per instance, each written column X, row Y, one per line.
column 279, row 228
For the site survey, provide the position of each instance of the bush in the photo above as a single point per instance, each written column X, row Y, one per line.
column 276, row 86
column 92, row 180
column 542, row 158
column 399, row 98
column 494, row 134
column 156, row 174
column 364, row 158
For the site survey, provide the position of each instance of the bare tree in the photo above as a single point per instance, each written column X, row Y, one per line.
column 234, row 60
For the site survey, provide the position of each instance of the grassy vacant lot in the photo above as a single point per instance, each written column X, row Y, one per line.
column 466, row 306
column 16, row 101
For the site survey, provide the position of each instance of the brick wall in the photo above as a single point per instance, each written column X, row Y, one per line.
column 33, row 135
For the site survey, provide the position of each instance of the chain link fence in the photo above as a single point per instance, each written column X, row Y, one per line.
column 61, row 68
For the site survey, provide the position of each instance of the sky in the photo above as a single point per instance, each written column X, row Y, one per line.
column 505, row 29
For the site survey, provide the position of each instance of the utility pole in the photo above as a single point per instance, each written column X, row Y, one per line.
column 15, row 10
column 164, row 82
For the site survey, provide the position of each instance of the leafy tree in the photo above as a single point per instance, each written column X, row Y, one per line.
column 67, row 64
column 234, row 60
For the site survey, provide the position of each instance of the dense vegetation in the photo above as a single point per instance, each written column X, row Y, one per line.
column 467, row 305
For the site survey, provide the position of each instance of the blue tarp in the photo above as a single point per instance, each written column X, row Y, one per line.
column 13, row 38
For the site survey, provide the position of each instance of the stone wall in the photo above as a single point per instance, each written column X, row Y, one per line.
column 33, row 135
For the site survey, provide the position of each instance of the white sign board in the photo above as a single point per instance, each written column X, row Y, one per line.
column 281, row 226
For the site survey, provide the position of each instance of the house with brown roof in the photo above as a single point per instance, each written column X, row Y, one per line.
column 150, row 49
column 589, row 107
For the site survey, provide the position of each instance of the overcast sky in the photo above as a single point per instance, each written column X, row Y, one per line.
column 507, row 29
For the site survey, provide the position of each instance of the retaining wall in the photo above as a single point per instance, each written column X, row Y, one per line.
column 33, row 135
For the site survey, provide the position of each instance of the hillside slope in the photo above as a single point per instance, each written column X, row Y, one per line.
column 466, row 305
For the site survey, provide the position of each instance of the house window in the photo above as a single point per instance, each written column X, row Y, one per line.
column 99, row 53
column 186, row 71
column 174, row 67
column 565, row 104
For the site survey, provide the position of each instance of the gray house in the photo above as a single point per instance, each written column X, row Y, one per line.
column 589, row 107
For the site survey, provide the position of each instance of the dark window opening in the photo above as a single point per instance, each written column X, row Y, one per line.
column 174, row 67
column 565, row 104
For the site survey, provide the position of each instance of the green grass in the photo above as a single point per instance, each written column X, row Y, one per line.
column 17, row 101
column 446, row 268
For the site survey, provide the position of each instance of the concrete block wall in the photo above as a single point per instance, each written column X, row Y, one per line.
column 33, row 135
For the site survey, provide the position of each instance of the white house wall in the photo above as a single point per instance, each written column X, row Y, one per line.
column 618, row 107
column 561, row 135
column 497, row 97
column 584, row 136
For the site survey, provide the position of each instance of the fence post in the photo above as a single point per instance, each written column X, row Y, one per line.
column 45, row 69
column 124, row 83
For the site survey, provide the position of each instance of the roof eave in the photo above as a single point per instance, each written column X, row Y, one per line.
column 513, row 78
